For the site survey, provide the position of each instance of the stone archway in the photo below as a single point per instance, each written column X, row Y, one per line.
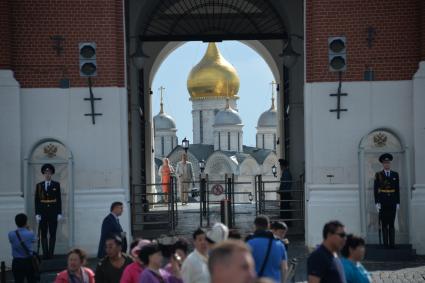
column 156, row 28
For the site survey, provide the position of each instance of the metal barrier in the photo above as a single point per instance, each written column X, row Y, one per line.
column 223, row 196
column 145, row 202
column 285, row 205
column 3, row 272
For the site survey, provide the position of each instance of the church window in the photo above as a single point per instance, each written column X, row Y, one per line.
column 239, row 141
column 172, row 143
column 162, row 146
column 228, row 140
column 263, row 140
column 274, row 141
column 219, row 141
column 201, row 128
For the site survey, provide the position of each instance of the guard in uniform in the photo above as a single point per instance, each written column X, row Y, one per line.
column 48, row 209
column 387, row 198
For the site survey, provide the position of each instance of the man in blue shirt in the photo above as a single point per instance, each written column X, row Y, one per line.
column 269, row 253
column 22, row 265
column 324, row 265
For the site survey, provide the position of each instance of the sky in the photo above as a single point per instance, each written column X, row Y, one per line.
column 255, row 89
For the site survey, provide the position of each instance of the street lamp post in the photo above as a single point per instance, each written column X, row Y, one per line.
column 185, row 144
column 202, row 165
column 274, row 171
column 203, row 185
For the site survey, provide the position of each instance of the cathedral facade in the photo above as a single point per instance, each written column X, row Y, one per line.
column 213, row 86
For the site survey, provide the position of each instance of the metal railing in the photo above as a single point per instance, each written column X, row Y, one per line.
column 225, row 196
column 145, row 198
column 283, row 204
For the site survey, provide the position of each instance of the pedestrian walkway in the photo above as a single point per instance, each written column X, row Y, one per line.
column 382, row 272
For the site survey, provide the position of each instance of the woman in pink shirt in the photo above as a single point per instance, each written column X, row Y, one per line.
column 132, row 272
column 75, row 271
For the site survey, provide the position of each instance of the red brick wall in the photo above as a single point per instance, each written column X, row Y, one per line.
column 396, row 49
column 4, row 35
column 35, row 61
column 422, row 26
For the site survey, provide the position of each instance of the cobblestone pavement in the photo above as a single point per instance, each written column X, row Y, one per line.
column 382, row 272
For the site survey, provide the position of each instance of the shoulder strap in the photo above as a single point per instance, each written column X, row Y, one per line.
column 22, row 244
column 157, row 276
column 263, row 266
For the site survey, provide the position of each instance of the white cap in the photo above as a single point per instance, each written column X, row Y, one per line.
column 219, row 232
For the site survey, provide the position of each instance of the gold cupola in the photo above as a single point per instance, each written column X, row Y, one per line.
column 213, row 77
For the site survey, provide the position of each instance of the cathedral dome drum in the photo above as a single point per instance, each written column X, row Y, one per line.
column 269, row 117
column 227, row 116
column 163, row 121
column 213, row 77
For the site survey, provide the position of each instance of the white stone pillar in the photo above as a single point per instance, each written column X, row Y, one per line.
column 10, row 127
column 11, row 187
column 417, row 232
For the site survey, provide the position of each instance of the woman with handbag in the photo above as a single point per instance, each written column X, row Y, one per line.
column 24, row 261
column 75, row 271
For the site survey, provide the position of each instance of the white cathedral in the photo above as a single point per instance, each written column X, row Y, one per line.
column 213, row 86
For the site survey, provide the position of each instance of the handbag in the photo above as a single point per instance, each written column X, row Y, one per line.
column 35, row 259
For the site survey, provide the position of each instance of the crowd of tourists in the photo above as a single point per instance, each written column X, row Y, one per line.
column 218, row 256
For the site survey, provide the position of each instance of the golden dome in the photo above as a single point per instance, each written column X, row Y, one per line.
column 213, row 77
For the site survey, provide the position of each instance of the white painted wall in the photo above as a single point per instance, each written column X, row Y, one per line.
column 10, row 139
column 332, row 145
column 418, row 195
column 100, row 152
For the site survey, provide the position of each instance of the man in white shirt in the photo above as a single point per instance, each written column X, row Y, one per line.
column 195, row 267
column 184, row 172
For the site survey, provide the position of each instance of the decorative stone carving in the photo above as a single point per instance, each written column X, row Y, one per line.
column 50, row 150
column 380, row 139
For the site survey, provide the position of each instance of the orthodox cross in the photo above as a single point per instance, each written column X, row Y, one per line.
column 161, row 89
column 57, row 44
column 273, row 83
column 92, row 99
column 338, row 109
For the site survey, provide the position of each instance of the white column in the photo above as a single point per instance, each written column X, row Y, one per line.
column 10, row 127
column 417, row 232
column 11, row 190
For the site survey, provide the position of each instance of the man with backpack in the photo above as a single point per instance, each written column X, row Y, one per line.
column 269, row 253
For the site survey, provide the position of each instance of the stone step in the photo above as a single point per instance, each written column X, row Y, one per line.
column 381, row 253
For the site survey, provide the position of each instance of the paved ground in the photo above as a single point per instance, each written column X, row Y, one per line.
column 391, row 272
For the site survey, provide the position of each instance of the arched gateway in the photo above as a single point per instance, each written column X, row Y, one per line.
column 156, row 28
